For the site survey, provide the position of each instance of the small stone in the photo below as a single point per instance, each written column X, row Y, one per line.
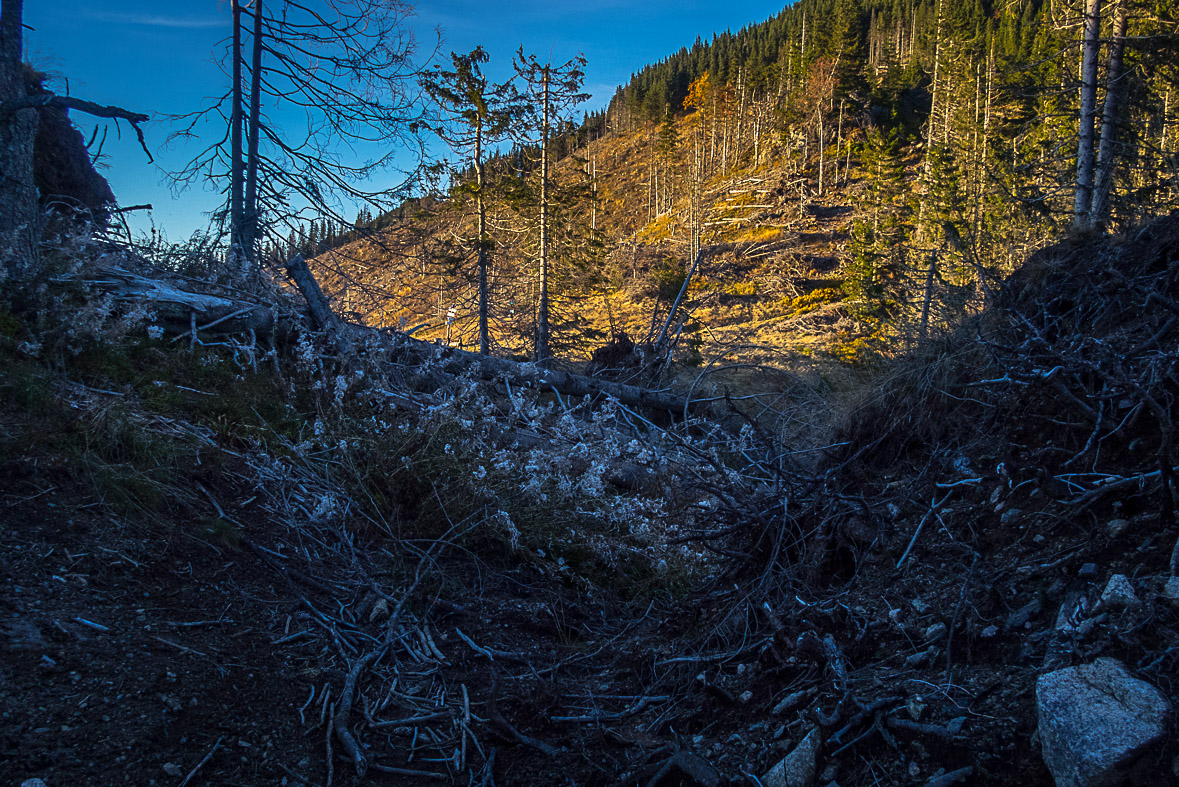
column 1095, row 720
column 1088, row 571
column 172, row 769
column 745, row 696
column 1024, row 614
column 1115, row 527
column 1119, row 594
column 1009, row 515
column 33, row 783
column 919, row 606
column 919, row 659
column 1171, row 589
column 796, row 769
column 989, row 632
column 935, row 632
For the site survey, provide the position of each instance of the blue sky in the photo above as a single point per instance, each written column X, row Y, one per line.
column 157, row 57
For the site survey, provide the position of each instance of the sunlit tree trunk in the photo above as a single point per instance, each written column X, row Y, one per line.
column 1082, row 217
column 1109, row 119
column 542, row 315
column 484, row 240
column 822, row 150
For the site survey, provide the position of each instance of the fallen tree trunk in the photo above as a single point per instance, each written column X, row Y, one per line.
column 178, row 309
column 346, row 336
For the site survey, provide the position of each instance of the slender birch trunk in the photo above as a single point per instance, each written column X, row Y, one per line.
column 1082, row 206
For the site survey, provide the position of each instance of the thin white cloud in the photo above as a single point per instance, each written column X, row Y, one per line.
column 156, row 20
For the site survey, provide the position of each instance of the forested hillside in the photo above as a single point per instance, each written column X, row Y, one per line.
column 877, row 163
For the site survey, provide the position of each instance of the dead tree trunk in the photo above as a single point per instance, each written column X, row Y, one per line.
column 236, row 168
column 19, row 215
column 250, row 207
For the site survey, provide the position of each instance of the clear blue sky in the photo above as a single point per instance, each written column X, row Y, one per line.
column 156, row 56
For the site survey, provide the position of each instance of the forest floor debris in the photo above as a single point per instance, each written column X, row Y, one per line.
column 321, row 599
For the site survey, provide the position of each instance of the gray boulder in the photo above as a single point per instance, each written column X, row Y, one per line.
column 1095, row 720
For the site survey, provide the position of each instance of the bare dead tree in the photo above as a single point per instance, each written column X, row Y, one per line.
column 331, row 104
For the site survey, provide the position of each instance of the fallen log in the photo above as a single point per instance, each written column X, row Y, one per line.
column 346, row 336
column 177, row 309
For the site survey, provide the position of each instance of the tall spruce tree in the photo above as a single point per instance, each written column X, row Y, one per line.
column 475, row 113
column 553, row 91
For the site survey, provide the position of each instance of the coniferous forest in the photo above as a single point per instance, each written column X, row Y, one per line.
column 890, row 159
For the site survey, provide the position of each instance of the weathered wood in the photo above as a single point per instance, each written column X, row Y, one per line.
column 175, row 307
